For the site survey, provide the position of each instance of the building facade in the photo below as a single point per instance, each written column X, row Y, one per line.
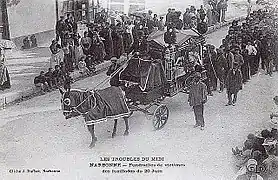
column 126, row 6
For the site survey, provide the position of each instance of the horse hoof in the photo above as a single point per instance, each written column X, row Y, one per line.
column 126, row 133
column 92, row 145
column 113, row 135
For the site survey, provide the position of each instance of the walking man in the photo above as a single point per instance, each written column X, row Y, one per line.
column 233, row 83
column 197, row 98
column 252, row 52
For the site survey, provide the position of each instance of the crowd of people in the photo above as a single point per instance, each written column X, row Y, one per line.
column 246, row 48
column 258, row 157
column 110, row 36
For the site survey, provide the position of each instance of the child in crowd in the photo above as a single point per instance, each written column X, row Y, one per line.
column 82, row 67
column 58, row 76
column 67, row 82
column 49, row 78
column 63, row 69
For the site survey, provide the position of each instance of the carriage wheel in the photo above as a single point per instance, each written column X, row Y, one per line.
column 160, row 118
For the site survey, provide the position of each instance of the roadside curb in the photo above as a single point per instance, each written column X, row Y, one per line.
column 16, row 97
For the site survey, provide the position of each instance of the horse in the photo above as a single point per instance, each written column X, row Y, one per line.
column 96, row 106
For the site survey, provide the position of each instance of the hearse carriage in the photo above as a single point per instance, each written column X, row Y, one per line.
column 163, row 74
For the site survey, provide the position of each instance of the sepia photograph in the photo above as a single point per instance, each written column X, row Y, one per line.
column 139, row 89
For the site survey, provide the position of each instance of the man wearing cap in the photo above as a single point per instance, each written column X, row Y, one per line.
column 233, row 83
column 197, row 98
column 238, row 58
column 252, row 52
column 271, row 163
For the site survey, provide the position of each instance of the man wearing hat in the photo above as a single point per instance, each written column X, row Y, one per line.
column 238, row 58
column 251, row 52
column 61, row 27
column 233, row 83
column 197, row 98
column 271, row 163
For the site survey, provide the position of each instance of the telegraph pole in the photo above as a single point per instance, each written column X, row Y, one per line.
column 57, row 10
column 5, row 20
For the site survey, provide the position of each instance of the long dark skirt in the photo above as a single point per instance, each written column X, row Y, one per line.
column 7, row 84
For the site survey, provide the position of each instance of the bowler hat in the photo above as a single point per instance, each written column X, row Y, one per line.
column 113, row 59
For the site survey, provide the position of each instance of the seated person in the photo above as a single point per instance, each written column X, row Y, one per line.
column 40, row 81
column 271, row 145
column 67, row 82
column 271, row 163
column 26, row 43
column 49, row 78
column 274, row 133
column 33, row 40
column 249, row 171
column 272, row 115
column 246, row 153
column 82, row 67
column 58, row 76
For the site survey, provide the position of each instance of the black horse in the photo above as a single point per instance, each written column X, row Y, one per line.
column 95, row 107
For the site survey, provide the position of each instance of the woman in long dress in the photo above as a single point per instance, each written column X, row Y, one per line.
column 4, row 74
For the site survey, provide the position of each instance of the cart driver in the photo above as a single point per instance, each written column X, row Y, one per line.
column 112, row 72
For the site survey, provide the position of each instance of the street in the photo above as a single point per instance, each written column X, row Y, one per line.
column 35, row 135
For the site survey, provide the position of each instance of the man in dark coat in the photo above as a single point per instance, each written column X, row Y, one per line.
column 118, row 44
column 106, row 33
column 210, row 81
column 115, row 79
column 197, row 98
column 140, row 45
column 221, row 66
column 186, row 19
column 97, row 48
column 61, row 28
column 233, row 83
